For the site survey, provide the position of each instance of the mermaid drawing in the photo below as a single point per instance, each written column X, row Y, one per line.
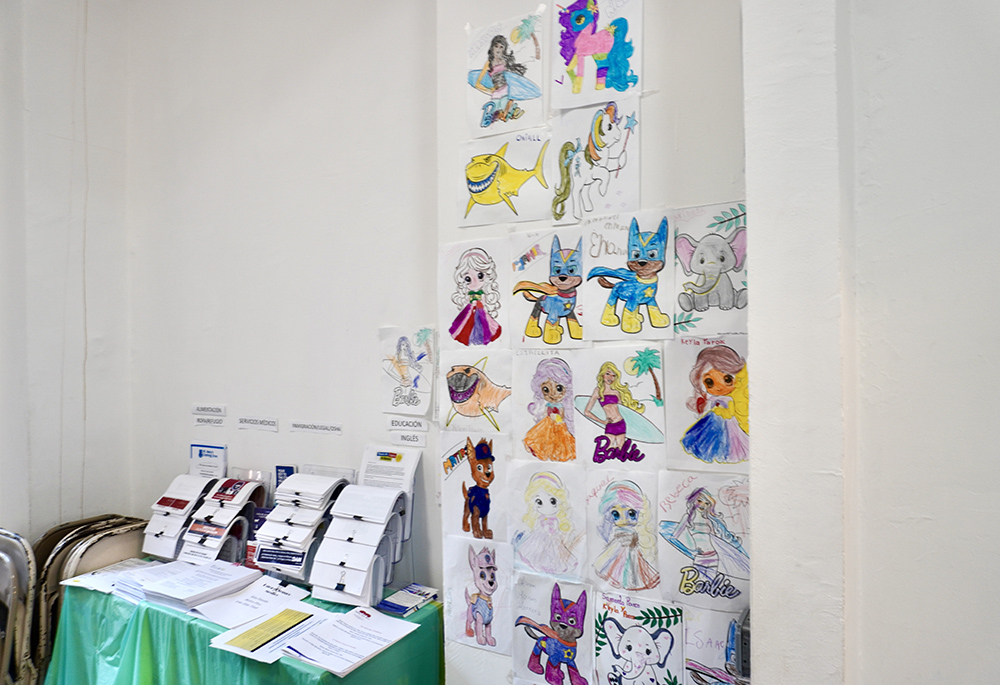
column 610, row 393
column 502, row 78
column 478, row 295
column 722, row 400
column 702, row 536
column 551, row 438
column 547, row 544
column 625, row 526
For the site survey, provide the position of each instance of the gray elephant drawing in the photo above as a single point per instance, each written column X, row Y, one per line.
column 639, row 651
column 712, row 258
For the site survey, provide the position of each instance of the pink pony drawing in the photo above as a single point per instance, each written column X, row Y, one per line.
column 608, row 47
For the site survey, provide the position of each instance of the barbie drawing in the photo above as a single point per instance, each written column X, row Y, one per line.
column 546, row 546
column 702, row 535
column 611, row 394
column 721, row 398
column 551, row 438
column 478, row 296
column 625, row 527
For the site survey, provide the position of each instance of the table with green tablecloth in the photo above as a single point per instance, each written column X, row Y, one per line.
column 105, row 640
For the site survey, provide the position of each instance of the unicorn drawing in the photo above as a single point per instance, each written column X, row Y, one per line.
column 608, row 47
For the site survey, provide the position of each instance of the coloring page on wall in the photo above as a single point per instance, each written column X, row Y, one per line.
column 547, row 524
column 596, row 165
column 553, row 631
column 408, row 359
column 475, row 391
column 472, row 294
column 710, row 648
column 621, row 531
column 704, row 539
column 638, row 641
column 503, row 178
column 504, row 76
column 629, row 289
column 545, row 421
column 619, row 406
column 711, row 273
column 547, row 270
column 478, row 593
column 708, row 404
column 474, row 500
column 597, row 51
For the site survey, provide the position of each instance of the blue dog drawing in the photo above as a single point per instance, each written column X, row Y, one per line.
column 637, row 283
column 557, row 298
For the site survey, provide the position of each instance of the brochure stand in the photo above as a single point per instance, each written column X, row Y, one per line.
column 171, row 515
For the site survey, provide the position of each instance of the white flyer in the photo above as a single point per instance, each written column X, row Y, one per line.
column 263, row 596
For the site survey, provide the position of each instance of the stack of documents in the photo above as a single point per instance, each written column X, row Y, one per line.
column 105, row 579
column 394, row 468
column 171, row 514
column 221, row 524
column 362, row 542
column 129, row 584
column 198, row 584
column 406, row 601
column 287, row 541
column 265, row 595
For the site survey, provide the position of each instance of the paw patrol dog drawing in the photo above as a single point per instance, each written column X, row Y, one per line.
column 475, row 517
column 557, row 298
column 479, row 616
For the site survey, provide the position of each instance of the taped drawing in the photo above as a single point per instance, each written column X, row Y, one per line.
column 547, row 288
column 711, row 249
column 476, row 389
column 408, row 359
column 546, row 528
column 638, row 641
column 470, row 286
column 710, row 654
column 553, row 634
column 598, row 47
column 594, row 171
column 504, row 73
column 478, row 593
column 624, row 411
column 631, row 276
column 704, row 539
column 715, row 371
column 474, row 498
column 504, row 178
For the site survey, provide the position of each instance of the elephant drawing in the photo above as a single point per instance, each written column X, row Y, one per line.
column 712, row 258
column 642, row 652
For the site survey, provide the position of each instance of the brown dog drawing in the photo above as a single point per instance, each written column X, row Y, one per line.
column 473, row 394
column 477, row 498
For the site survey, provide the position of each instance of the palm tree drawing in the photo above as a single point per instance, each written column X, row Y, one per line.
column 526, row 29
column 645, row 361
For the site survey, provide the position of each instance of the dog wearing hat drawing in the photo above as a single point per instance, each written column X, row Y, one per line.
column 479, row 616
column 475, row 517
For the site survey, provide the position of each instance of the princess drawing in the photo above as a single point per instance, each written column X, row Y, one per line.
column 547, row 544
column 626, row 528
column 551, row 437
column 478, row 296
column 702, row 536
column 722, row 399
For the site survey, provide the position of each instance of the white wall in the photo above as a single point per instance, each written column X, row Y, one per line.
column 871, row 168
column 64, row 331
column 281, row 208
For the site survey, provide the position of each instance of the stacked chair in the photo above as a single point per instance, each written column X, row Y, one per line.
column 30, row 593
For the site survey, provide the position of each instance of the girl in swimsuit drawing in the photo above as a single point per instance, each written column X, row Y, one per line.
column 610, row 393
column 500, row 60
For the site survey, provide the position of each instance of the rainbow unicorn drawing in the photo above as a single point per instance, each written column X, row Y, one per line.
column 608, row 47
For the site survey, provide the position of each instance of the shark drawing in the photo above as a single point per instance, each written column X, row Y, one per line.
column 492, row 180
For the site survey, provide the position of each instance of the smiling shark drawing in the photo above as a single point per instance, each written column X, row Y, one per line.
column 492, row 180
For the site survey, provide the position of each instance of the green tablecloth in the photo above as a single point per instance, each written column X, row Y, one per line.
column 104, row 640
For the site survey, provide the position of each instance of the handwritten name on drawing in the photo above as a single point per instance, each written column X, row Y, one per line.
column 529, row 256
column 698, row 342
column 719, row 586
column 404, row 396
column 627, row 452
column 598, row 489
column 619, row 605
column 670, row 499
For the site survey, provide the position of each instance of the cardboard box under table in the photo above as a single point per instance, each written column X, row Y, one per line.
column 105, row 640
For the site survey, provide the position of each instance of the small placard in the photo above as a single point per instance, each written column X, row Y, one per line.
column 410, row 424
column 209, row 409
column 261, row 423
column 208, row 461
column 215, row 421
column 313, row 427
column 280, row 557
column 409, row 439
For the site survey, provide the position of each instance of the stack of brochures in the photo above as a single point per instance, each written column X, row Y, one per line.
column 198, row 584
column 221, row 524
column 363, row 541
column 130, row 584
column 172, row 513
column 105, row 579
column 287, row 541
column 406, row 601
